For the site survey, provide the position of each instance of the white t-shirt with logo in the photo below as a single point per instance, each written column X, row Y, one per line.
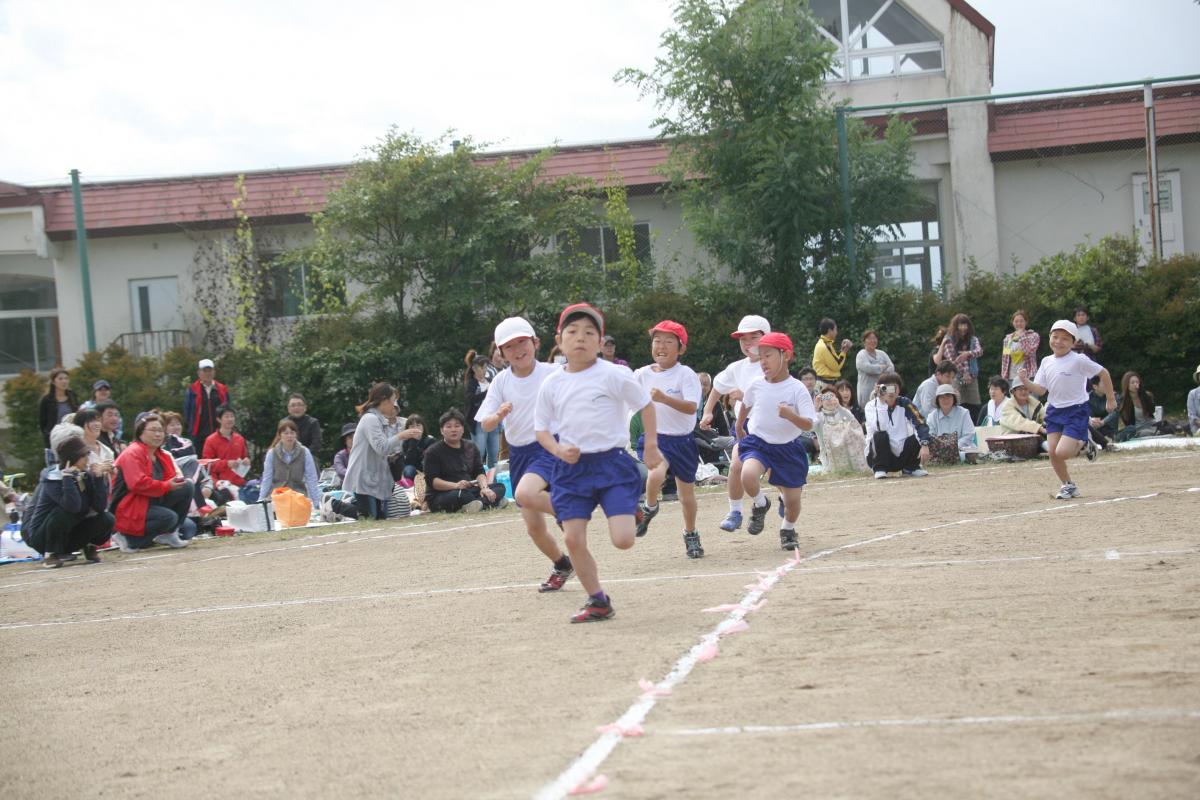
column 1065, row 378
column 679, row 383
column 764, row 399
column 738, row 375
column 522, row 393
column 588, row 409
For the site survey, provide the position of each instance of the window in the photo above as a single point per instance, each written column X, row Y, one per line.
column 877, row 38
column 909, row 255
column 296, row 291
column 28, row 324
column 601, row 243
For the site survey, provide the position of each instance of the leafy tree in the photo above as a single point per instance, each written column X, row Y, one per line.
column 754, row 153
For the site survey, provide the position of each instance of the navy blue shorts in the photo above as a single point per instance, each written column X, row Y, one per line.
column 609, row 479
column 788, row 462
column 530, row 457
column 1071, row 421
column 680, row 452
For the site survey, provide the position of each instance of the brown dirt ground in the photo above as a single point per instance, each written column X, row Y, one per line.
column 416, row 659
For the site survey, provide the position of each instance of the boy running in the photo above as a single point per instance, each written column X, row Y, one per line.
column 775, row 410
column 675, row 390
column 511, row 398
column 733, row 381
column 585, row 403
column 1064, row 377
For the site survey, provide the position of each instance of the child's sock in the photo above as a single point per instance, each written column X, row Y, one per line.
column 650, row 507
column 600, row 597
column 760, row 499
column 563, row 564
column 787, row 526
column 738, row 505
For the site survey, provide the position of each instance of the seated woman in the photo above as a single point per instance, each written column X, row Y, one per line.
column 843, row 446
column 289, row 464
column 341, row 458
column 70, row 511
column 150, row 497
column 413, row 455
column 1023, row 413
column 997, row 393
column 1134, row 415
column 845, row 393
column 950, row 424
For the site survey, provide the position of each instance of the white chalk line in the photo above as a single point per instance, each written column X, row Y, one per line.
column 583, row 767
column 1124, row 715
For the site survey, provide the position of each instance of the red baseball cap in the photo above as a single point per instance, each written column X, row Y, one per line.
column 780, row 341
column 669, row 326
column 581, row 308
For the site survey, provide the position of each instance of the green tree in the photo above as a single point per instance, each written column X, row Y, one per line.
column 741, row 87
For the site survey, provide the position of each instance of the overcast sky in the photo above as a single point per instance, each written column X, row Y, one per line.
column 130, row 89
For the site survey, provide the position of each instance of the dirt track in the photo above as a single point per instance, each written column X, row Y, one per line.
column 1054, row 653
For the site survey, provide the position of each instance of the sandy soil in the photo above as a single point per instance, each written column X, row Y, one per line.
column 1000, row 645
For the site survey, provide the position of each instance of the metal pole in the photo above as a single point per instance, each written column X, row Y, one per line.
column 844, row 169
column 85, row 274
column 1152, row 173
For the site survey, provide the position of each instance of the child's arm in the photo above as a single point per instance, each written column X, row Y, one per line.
column 710, row 405
column 739, row 428
column 567, row 452
column 679, row 404
column 1023, row 377
column 788, row 413
column 1106, row 385
column 489, row 423
column 650, row 455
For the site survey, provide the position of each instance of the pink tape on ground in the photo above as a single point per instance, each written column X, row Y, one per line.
column 708, row 652
column 734, row 627
column 597, row 784
column 722, row 609
column 650, row 690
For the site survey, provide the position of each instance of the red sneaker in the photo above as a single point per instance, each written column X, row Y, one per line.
column 556, row 580
column 594, row 611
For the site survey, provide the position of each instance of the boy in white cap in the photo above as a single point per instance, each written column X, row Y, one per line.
column 1064, row 377
column 734, row 380
column 580, row 418
column 511, row 398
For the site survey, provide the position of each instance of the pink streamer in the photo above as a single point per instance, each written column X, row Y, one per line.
column 722, row 608
column 597, row 784
column 736, row 627
column 650, row 690
column 708, row 652
column 613, row 727
column 756, row 606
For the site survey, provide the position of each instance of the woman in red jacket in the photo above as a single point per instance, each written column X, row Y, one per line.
column 150, row 497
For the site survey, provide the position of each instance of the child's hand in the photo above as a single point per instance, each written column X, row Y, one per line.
column 785, row 410
column 1110, row 404
column 658, row 395
column 706, row 421
column 1023, row 374
column 651, row 457
column 568, row 453
column 504, row 410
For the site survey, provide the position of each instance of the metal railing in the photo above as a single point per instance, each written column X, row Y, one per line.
column 153, row 343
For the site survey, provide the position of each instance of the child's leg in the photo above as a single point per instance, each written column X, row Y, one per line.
column 621, row 529
column 791, row 502
column 1062, row 448
column 532, row 492
column 581, row 559
column 735, row 477
column 655, row 478
column 752, row 471
column 687, row 498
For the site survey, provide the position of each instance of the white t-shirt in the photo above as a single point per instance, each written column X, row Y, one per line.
column 1065, row 378
column 764, row 399
column 738, row 375
column 588, row 409
column 679, row 383
column 522, row 393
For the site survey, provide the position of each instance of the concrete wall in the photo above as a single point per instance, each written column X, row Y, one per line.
column 672, row 245
column 1047, row 206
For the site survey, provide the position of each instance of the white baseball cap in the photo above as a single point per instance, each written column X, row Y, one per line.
column 946, row 388
column 751, row 323
column 1066, row 326
column 206, row 363
column 513, row 328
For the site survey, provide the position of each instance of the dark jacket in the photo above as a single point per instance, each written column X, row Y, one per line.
column 74, row 494
column 414, row 451
column 48, row 415
column 309, row 429
column 200, row 413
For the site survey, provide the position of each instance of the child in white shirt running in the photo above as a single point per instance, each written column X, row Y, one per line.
column 675, row 390
column 580, row 419
column 511, row 398
column 1064, row 377
column 775, row 411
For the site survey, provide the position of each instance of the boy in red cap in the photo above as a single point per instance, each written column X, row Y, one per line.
column 675, row 390
column 775, row 411
column 580, row 419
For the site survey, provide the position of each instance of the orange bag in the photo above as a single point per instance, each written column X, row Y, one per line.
column 292, row 509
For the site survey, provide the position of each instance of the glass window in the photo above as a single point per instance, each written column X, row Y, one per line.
column 884, row 38
column 27, row 293
column 28, row 343
column 601, row 243
column 909, row 254
column 296, row 291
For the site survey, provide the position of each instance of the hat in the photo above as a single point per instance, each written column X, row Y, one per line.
column 751, row 323
column 348, row 428
column 668, row 326
column 780, row 341
column 946, row 388
column 581, row 308
column 205, row 363
column 609, row 339
column 511, row 329
column 1066, row 326
column 101, row 384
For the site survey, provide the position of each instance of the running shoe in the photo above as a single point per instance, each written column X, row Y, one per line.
column 880, row 474
column 643, row 516
column 916, row 473
column 171, row 539
column 1068, row 491
column 758, row 519
column 557, row 580
column 787, row 540
column 52, row 561
column 123, row 544
column 691, row 540
column 1089, row 449
column 594, row 611
column 732, row 521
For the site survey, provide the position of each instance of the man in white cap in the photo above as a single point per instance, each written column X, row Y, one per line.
column 733, row 381
column 511, row 398
column 1064, row 378
column 200, row 403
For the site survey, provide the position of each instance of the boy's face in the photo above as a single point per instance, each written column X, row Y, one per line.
column 519, row 353
column 1061, row 342
column 1081, row 318
column 749, row 344
column 227, row 419
column 809, row 380
column 579, row 341
column 665, row 349
column 774, row 363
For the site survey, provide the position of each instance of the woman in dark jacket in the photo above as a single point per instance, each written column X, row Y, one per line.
column 70, row 511
column 58, row 401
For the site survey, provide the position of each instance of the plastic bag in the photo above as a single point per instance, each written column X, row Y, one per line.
column 292, row 509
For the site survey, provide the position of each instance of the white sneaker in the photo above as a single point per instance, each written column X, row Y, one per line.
column 880, row 474
column 501, row 503
column 1067, row 492
column 123, row 543
column 171, row 540
column 917, row 473
column 473, row 507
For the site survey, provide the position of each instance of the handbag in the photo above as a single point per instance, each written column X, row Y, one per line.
column 292, row 509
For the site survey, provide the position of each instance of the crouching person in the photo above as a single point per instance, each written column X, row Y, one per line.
column 150, row 497
column 70, row 513
column 454, row 475
column 897, row 437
